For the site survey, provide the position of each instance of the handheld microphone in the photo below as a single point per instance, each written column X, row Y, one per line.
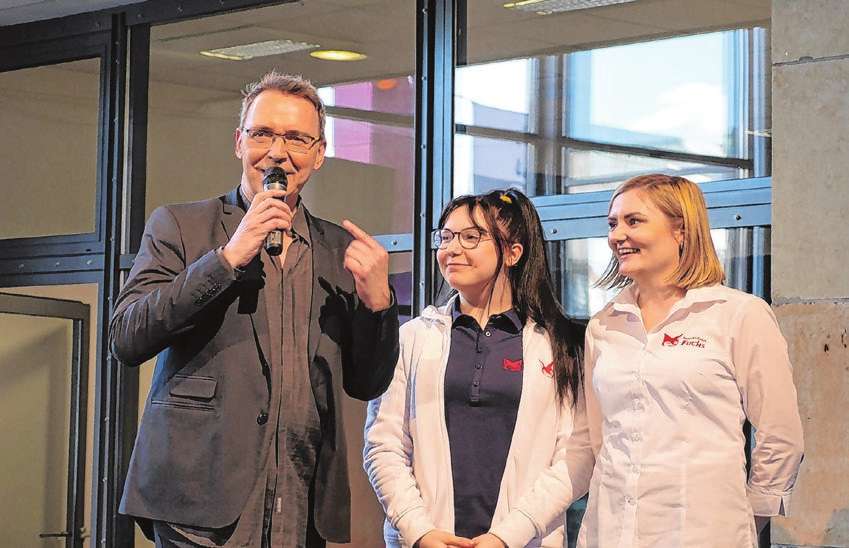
column 274, row 178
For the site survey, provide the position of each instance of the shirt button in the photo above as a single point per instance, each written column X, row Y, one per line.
column 479, row 366
column 262, row 418
column 630, row 500
column 476, row 383
column 636, row 436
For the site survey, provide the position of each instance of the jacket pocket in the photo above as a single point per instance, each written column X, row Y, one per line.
column 189, row 392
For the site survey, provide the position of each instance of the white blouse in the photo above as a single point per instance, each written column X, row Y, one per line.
column 666, row 410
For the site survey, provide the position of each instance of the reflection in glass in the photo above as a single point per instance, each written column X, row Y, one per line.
column 48, row 148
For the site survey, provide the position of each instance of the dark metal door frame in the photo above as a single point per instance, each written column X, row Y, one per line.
column 80, row 316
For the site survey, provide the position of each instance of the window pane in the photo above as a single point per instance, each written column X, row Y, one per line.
column 392, row 95
column 366, row 177
column 372, row 166
column 494, row 95
column 578, row 264
column 482, row 164
column 598, row 95
column 676, row 94
column 593, row 170
column 49, row 121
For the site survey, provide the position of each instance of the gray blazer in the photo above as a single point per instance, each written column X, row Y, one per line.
column 200, row 446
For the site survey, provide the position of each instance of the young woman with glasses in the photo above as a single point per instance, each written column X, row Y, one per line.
column 472, row 444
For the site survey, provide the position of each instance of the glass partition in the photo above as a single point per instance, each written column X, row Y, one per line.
column 582, row 263
column 48, row 149
column 560, row 102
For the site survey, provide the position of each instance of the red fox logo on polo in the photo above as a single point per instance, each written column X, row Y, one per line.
column 510, row 365
column 547, row 370
column 670, row 341
column 681, row 340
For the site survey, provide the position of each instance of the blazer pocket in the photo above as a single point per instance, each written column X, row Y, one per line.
column 189, row 392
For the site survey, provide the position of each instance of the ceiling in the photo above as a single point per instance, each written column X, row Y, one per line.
column 13, row 12
column 384, row 30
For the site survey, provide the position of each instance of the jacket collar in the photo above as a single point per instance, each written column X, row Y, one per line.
column 444, row 315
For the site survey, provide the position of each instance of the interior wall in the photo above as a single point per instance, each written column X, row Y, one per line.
column 810, row 285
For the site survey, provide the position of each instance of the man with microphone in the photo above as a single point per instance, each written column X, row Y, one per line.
column 261, row 316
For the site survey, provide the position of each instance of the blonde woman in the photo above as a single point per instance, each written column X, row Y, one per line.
column 674, row 366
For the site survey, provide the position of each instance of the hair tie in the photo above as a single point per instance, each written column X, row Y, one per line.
column 507, row 198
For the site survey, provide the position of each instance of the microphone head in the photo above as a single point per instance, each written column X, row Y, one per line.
column 274, row 177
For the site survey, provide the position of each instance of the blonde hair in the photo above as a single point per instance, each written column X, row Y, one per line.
column 683, row 203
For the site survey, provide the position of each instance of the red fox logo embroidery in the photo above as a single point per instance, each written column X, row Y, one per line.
column 670, row 341
column 548, row 369
column 511, row 365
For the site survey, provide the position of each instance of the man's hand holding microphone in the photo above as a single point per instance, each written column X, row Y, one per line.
column 265, row 222
column 268, row 220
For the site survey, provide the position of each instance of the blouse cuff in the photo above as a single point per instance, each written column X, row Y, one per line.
column 769, row 504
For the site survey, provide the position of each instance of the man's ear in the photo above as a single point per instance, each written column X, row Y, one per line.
column 514, row 253
column 236, row 136
column 319, row 157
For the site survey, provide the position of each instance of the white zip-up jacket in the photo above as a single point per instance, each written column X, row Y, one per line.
column 408, row 460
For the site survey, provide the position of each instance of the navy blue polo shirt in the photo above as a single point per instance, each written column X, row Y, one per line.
column 483, row 385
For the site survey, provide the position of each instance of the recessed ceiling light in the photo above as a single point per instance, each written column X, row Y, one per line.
column 545, row 7
column 338, row 55
column 260, row 49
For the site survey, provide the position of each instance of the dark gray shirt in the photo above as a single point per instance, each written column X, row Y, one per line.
column 298, row 424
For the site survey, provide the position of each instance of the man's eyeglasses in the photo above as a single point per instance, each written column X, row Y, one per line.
column 469, row 237
column 294, row 142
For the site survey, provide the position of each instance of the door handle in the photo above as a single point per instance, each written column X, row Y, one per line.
column 49, row 535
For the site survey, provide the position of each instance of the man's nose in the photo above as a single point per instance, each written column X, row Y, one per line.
column 277, row 150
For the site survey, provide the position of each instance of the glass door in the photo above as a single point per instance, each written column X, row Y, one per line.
column 43, row 398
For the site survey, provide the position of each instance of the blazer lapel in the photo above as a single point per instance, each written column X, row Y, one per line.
column 259, row 272
column 322, row 260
